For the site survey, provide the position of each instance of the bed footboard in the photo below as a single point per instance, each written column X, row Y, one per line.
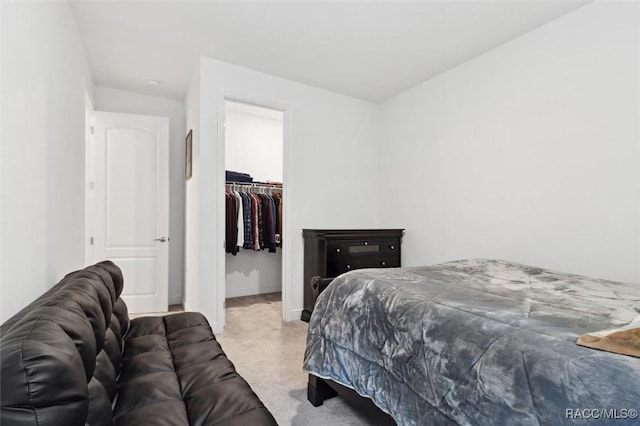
column 320, row 389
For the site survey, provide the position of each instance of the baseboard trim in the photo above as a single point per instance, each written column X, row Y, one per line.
column 214, row 327
column 294, row 315
column 250, row 291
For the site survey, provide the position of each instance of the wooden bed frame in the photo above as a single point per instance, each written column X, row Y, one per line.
column 320, row 389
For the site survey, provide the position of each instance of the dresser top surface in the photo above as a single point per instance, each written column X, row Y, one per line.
column 351, row 233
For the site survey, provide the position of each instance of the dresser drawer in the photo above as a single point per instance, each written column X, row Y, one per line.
column 342, row 249
column 335, row 249
column 353, row 263
column 364, row 248
column 391, row 247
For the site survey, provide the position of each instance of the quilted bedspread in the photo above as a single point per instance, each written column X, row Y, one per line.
column 477, row 342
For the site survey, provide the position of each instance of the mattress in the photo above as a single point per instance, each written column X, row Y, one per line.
column 477, row 342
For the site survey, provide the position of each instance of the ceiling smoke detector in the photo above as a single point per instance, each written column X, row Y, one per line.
column 153, row 83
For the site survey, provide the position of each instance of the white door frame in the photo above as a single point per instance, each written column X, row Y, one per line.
column 287, row 198
column 88, row 180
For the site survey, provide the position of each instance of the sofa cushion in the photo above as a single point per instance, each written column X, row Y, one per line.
column 174, row 368
column 51, row 350
column 43, row 379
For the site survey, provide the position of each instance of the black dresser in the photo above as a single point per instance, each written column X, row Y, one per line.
column 331, row 252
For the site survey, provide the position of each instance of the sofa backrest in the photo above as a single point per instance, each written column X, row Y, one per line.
column 61, row 355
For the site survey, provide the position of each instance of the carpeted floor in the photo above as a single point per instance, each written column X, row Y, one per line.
column 268, row 353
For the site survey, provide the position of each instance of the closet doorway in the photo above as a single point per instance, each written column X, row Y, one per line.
column 254, row 156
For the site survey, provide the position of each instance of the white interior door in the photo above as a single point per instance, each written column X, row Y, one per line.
column 131, row 204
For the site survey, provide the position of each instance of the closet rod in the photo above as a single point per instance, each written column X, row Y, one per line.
column 255, row 185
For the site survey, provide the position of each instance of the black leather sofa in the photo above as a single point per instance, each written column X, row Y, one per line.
column 72, row 357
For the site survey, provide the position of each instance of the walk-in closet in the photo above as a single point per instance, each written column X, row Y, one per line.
column 253, row 199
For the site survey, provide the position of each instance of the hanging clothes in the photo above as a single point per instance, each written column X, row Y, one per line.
column 231, row 219
column 278, row 199
column 255, row 223
column 253, row 220
column 268, row 222
column 239, row 219
column 247, row 220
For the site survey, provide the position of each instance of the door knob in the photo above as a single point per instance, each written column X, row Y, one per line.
column 161, row 239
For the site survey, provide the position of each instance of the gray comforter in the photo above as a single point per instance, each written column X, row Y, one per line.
column 477, row 342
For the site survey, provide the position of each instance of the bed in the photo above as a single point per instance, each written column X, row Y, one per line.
column 474, row 342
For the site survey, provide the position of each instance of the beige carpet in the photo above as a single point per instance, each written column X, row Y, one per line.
column 268, row 353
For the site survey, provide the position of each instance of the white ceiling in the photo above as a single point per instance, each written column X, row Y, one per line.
column 369, row 50
column 253, row 110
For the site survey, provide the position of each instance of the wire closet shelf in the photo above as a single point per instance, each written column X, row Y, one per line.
column 253, row 187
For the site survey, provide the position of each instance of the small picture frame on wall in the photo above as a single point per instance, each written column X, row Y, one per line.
column 188, row 157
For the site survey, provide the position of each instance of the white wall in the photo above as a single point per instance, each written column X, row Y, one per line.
column 44, row 78
column 254, row 145
column 253, row 142
column 253, row 272
column 332, row 162
column 192, row 200
column 113, row 100
column 529, row 152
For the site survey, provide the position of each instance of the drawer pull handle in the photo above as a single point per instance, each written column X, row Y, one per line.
column 338, row 250
column 383, row 263
column 392, row 247
column 366, row 243
column 348, row 266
